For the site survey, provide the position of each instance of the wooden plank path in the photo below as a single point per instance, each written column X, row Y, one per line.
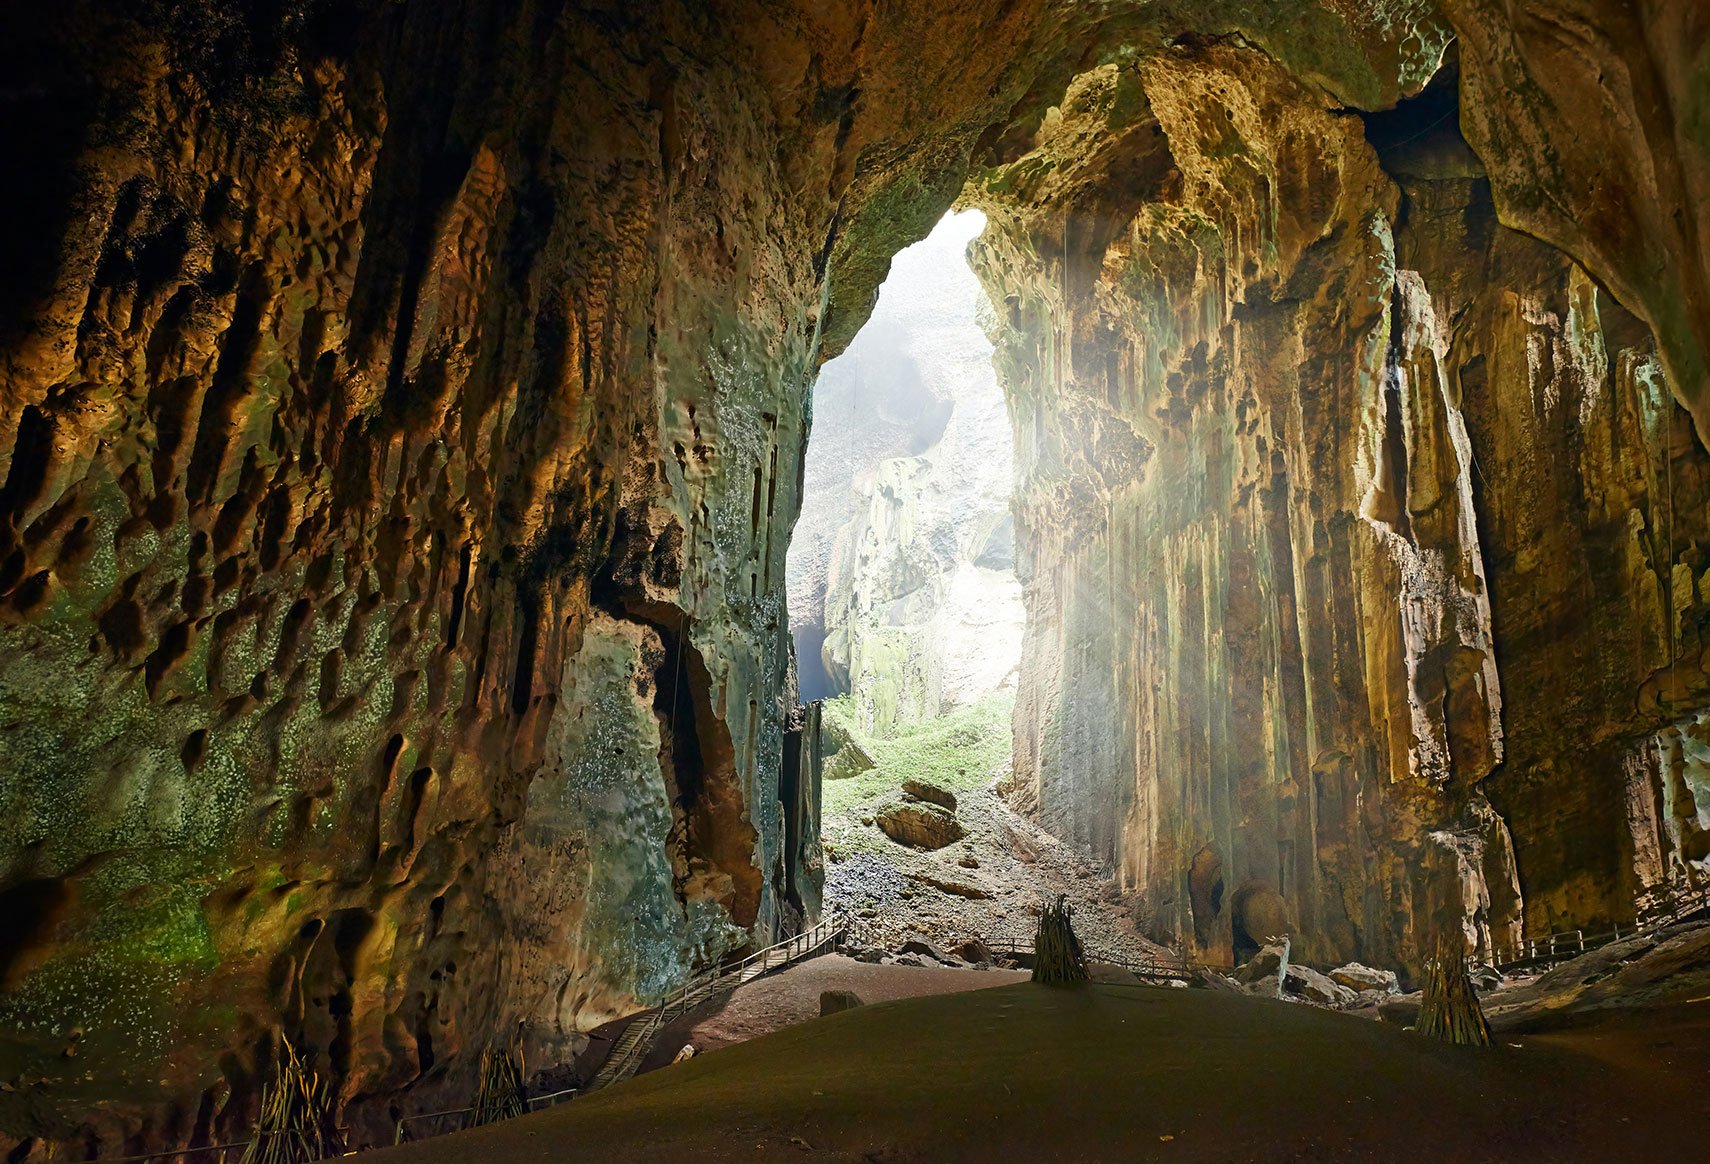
column 637, row 1038
column 1546, row 951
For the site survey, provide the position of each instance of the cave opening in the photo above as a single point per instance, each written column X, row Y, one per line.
column 905, row 605
column 1280, row 521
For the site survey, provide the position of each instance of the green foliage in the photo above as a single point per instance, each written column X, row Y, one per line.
column 961, row 750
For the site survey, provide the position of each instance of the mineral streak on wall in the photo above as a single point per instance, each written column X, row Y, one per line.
column 1357, row 530
column 401, row 418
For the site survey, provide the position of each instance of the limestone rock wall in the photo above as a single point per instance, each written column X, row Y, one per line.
column 401, row 412
column 390, row 653
column 1347, row 520
column 400, row 435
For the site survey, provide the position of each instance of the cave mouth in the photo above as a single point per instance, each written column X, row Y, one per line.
column 905, row 606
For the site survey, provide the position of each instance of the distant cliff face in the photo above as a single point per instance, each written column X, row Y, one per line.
column 1351, row 524
column 902, row 574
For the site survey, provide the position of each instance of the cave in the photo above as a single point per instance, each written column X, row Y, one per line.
column 469, row 567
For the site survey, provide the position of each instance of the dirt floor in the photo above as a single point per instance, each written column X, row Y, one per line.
column 791, row 997
column 1129, row 1073
column 889, row 893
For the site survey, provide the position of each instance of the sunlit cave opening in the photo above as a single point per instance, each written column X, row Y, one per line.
column 907, row 617
column 904, row 605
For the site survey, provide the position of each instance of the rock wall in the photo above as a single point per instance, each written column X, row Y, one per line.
column 390, row 654
column 400, row 432
column 1351, row 523
column 401, row 412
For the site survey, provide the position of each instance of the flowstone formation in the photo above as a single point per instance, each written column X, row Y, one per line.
column 401, row 420
column 1359, row 530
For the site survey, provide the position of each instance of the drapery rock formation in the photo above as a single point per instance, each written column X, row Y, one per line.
column 1385, row 620
column 401, row 413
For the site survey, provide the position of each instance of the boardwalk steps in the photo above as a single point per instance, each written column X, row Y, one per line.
column 638, row 1037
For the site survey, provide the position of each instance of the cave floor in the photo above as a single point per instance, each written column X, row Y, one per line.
column 1108, row 1073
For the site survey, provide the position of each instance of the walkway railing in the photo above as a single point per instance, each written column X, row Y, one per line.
column 533, row 1103
column 1159, row 966
column 637, row 1038
column 1565, row 944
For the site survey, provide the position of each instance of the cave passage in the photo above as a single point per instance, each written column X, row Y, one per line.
column 1236, row 469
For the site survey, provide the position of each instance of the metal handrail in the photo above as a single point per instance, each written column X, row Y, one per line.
column 639, row 1035
column 530, row 1104
column 1559, row 945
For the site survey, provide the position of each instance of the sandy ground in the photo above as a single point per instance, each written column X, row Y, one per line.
column 792, row 996
column 1117, row 1073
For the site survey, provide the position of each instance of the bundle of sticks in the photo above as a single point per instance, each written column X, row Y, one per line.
column 1450, row 1008
column 500, row 1095
column 1057, row 954
column 296, row 1116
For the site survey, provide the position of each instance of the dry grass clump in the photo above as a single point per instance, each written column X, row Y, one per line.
column 500, row 1095
column 1450, row 1008
column 296, row 1116
column 1057, row 954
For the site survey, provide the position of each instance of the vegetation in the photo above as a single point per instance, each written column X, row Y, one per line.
column 1450, row 1008
column 1057, row 953
column 965, row 749
column 961, row 750
column 296, row 1116
column 501, row 1092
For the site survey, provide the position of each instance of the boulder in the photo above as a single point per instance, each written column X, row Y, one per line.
column 935, row 793
column 1262, row 987
column 969, row 889
column 870, row 954
column 850, row 761
column 973, row 951
column 832, row 1001
column 1212, row 980
column 920, row 825
column 1261, row 912
column 1305, row 982
column 925, row 949
column 1265, row 964
column 1111, row 974
column 1359, row 978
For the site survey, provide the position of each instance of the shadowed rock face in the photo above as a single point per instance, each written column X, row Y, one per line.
column 401, row 414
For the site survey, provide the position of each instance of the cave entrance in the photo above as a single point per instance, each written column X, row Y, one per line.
column 906, row 612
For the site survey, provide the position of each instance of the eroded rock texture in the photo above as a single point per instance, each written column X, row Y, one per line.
column 400, row 431
column 1352, row 523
